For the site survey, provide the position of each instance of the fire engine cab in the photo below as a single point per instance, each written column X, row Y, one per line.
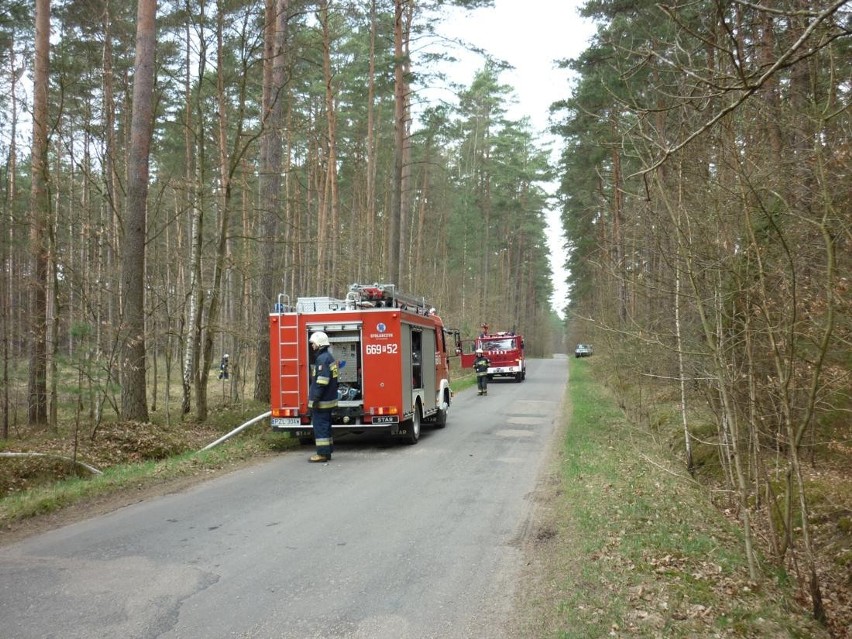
column 505, row 352
column 392, row 355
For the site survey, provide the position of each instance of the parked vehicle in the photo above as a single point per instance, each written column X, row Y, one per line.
column 583, row 350
column 392, row 356
column 504, row 350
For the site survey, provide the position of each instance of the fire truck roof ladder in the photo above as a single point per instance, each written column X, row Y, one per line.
column 387, row 295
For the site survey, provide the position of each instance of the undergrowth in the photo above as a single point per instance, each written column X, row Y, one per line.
column 637, row 548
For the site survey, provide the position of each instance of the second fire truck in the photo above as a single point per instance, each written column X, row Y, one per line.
column 505, row 352
column 392, row 354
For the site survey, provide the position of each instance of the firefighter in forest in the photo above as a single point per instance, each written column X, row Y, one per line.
column 223, row 367
column 322, row 397
column 480, row 365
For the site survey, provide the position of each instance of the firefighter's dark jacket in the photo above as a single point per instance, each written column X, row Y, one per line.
column 324, row 377
column 481, row 364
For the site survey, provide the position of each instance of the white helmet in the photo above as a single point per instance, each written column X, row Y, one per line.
column 479, row 351
column 319, row 339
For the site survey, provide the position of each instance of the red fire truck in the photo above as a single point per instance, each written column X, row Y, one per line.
column 392, row 353
column 505, row 352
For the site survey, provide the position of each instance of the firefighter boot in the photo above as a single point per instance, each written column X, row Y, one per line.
column 317, row 459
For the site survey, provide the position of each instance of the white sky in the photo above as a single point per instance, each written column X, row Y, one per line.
column 530, row 35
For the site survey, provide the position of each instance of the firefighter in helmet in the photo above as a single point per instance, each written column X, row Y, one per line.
column 322, row 397
column 480, row 365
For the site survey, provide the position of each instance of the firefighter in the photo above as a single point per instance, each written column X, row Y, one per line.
column 480, row 365
column 322, row 397
column 223, row 367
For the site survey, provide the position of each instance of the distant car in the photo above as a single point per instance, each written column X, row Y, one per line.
column 583, row 350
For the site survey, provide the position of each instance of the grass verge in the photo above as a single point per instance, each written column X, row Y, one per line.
column 627, row 545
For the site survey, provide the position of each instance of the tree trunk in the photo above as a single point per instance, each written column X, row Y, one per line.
column 365, row 238
column 134, row 404
column 617, row 223
column 271, row 161
column 405, row 190
column 105, row 259
column 332, row 196
column 196, row 182
column 39, row 214
column 8, row 262
column 392, row 269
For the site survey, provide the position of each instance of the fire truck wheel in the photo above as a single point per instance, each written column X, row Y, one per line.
column 413, row 433
column 441, row 418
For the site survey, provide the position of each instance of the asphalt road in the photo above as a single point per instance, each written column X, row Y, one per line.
column 396, row 542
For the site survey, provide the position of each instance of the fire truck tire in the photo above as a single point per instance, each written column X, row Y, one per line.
column 413, row 434
column 441, row 418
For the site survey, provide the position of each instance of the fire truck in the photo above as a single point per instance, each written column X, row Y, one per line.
column 505, row 352
column 392, row 355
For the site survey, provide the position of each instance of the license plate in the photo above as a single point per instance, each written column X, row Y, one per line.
column 499, row 370
column 278, row 422
column 385, row 419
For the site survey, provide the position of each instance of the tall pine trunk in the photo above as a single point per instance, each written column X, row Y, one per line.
column 270, row 185
column 39, row 214
column 392, row 270
column 134, row 404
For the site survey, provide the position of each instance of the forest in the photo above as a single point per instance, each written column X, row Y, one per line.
column 171, row 168
column 191, row 162
column 706, row 193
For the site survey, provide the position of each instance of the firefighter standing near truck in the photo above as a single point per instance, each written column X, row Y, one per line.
column 322, row 397
column 480, row 365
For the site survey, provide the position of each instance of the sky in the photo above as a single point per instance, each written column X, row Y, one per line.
column 529, row 35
